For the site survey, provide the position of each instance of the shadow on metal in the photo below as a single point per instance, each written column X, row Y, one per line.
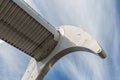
column 53, row 60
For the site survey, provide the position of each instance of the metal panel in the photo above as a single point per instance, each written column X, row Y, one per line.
column 22, row 31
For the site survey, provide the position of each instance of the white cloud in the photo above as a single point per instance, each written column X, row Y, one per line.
column 82, row 66
column 13, row 62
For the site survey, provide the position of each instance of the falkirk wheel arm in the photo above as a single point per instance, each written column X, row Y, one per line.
column 71, row 39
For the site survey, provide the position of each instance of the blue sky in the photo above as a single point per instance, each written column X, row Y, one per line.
column 99, row 17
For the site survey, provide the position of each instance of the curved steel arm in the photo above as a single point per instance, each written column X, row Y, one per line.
column 55, row 58
column 72, row 39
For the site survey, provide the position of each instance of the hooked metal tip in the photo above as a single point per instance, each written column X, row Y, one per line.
column 102, row 54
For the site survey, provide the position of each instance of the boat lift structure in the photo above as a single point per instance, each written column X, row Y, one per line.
column 22, row 27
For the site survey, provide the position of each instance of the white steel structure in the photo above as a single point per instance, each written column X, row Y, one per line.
column 25, row 29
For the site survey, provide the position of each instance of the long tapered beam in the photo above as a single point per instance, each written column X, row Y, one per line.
column 21, row 27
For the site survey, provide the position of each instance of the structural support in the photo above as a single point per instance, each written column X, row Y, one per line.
column 71, row 39
column 24, row 28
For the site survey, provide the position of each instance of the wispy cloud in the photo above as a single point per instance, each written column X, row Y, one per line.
column 81, row 66
column 13, row 62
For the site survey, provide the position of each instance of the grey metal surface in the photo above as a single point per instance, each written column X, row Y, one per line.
column 72, row 39
column 21, row 30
